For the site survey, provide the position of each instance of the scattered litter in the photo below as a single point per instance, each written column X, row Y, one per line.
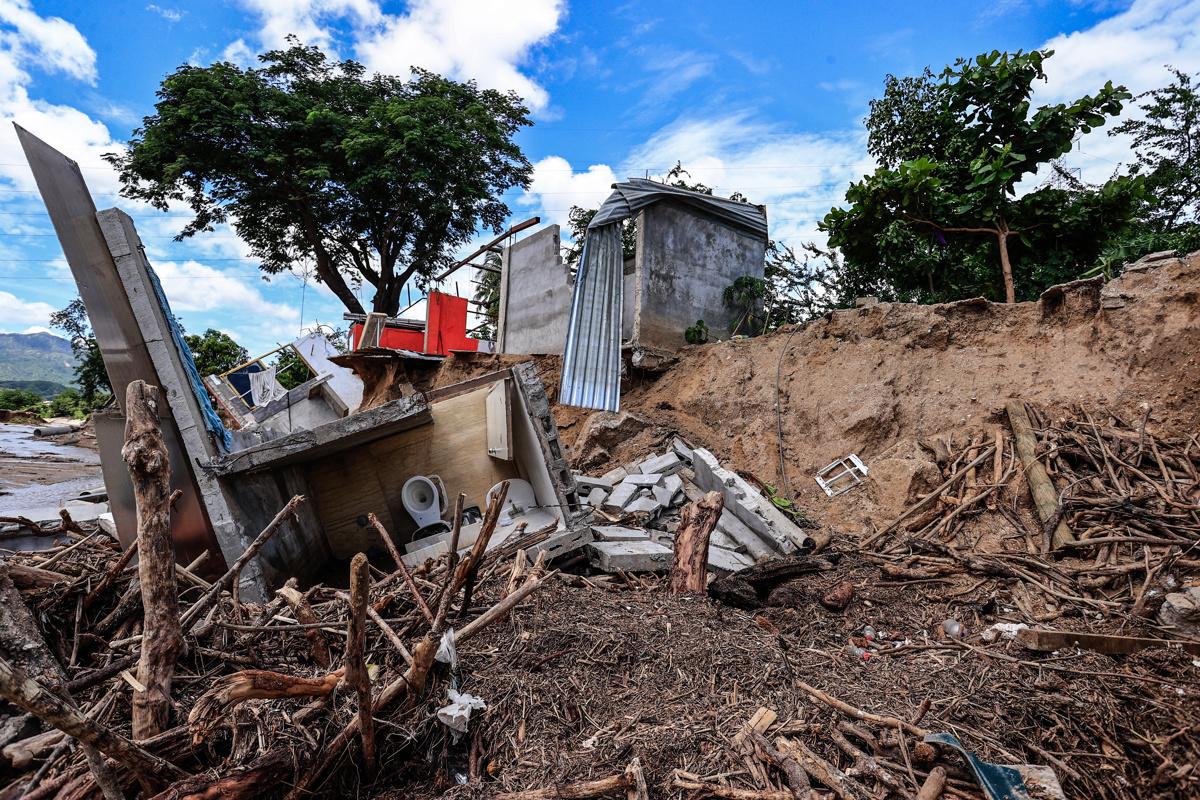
column 457, row 714
column 1000, row 630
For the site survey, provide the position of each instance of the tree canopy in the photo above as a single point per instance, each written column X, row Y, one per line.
column 368, row 178
column 215, row 352
column 944, row 205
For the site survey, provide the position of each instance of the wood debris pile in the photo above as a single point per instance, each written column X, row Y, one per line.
column 813, row 676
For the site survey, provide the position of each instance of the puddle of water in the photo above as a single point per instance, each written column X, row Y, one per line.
column 17, row 443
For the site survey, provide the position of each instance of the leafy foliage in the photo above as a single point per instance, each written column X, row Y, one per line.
column 215, row 352
column 488, row 293
column 371, row 178
column 745, row 297
column 91, row 376
column 696, row 334
column 19, row 399
column 958, row 150
column 1167, row 143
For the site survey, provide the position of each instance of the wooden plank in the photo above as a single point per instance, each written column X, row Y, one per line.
column 1045, row 498
column 499, row 421
column 1046, row 641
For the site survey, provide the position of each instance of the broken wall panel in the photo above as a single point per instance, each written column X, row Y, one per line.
column 685, row 261
column 535, row 296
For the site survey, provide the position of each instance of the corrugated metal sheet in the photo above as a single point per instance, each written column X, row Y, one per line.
column 591, row 374
column 636, row 193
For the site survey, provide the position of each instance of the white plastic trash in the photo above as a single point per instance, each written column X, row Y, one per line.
column 457, row 715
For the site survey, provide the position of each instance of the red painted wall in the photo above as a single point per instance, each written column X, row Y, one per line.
column 446, row 319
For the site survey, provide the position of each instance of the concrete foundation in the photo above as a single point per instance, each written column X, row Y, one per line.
column 535, row 296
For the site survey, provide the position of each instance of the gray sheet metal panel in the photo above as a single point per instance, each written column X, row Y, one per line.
column 126, row 358
column 637, row 193
column 591, row 374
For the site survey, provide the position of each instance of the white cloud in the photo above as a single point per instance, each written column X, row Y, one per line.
column 1131, row 48
column 482, row 40
column 308, row 19
column 51, row 43
column 38, row 329
column 554, row 187
column 195, row 288
column 16, row 313
column 171, row 15
column 466, row 39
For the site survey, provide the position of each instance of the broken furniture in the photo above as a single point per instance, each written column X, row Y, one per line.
column 254, row 395
column 841, row 475
column 444, row 330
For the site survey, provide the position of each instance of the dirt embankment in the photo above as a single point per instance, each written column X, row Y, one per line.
column 877, row 381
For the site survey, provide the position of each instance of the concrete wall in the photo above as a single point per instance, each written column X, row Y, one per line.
column 685, row 260
column 535, row 296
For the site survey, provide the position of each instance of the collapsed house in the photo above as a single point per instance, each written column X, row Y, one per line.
column 404, row 461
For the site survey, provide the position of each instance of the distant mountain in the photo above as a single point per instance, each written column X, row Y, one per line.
column 36, row 357
column 45, row 389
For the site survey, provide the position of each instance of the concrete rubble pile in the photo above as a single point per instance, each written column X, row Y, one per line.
column 645, row 498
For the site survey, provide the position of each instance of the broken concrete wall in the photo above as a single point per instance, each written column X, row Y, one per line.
column 535, row 296
column 685, row 261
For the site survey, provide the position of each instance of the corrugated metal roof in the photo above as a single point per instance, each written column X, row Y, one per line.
column 637, row 193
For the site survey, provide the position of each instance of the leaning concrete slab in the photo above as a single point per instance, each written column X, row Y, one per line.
column 618, row 533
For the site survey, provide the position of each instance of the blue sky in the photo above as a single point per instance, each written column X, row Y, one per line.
column 763, row 98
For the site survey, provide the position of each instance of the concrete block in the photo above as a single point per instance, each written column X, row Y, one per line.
column 720, row 538
column 107, row 524
column 648, row 479
column 586, row 482
column 666, row 464
column 645, row 504
column 1182, row 610
column 681, row 449
column 665, row 538
column 644, row 556
column 664, row 496
column 747, row 539
column 618, row 533
column 724, row 560
column 596, row 497
column 674, row 484
column 561, row 543
column 745, row 503
column 615, row 476
column 621, row 496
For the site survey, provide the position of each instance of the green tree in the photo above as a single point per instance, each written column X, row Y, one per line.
column 215, row 352
column 91, row 376
column 19, row 399
column 957, row 151
column 67, row 403
column 1167, row 143
column 372, row 178
column 487, row 292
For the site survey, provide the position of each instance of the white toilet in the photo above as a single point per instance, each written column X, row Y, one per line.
column 425, row 503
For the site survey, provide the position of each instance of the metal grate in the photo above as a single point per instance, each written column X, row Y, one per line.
column 841, row 475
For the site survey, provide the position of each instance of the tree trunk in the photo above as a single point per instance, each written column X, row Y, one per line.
column 356, row 664
column 1010, row 294
column 145, row 455
column 689, row 573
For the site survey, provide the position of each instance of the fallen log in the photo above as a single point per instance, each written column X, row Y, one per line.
column 251, row 684
column 1045, row 498
column 260, row 776
column 689, row 572
column 145, row 456
column 573, row 791
column 304, row 615
column 934, row 785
